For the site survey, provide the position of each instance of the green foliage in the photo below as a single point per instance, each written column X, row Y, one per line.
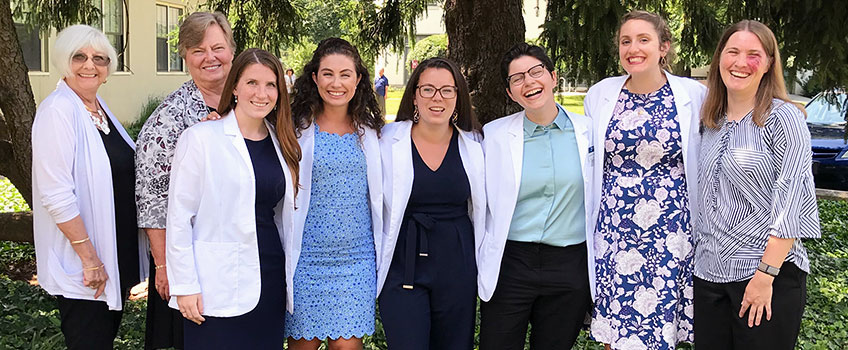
column 580, row 35
column 10, row 199
column 429, row 47
column 264, row 24
column 296, row 56
column 390, row 25
column 825, row 322
column 146, row 110
column 44, row 15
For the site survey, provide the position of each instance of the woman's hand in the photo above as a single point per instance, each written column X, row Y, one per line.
column 161, row 282
column 757, row 298
column 191, row 306
column 211, row 116
column 94, row 276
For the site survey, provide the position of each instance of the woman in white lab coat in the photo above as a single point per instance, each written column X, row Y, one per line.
column 434, row 213
column 230, row 213
column 338, row 221
column 645, row 189
column 534, row 265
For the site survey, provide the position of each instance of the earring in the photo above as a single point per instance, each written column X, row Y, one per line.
column 415, row 115
column 454, row 117
column 663, row 62
column 235, row 98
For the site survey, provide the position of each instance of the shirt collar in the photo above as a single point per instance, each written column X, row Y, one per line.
column 560, row 122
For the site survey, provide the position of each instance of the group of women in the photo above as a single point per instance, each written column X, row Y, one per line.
column 670, row 210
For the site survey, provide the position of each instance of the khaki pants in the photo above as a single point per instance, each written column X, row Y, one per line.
column 381, row 100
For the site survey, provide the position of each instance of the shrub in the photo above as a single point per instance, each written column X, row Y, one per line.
column 429, row 47
column 146, row 110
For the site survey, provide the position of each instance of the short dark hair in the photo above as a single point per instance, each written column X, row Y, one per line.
column 524, row 49
column 466, row 120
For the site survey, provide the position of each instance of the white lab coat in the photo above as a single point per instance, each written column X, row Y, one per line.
column 71, row 176
column 371, row 148
column 398, row 175
column 211, row 241
column 688, row 97
column 503, row 146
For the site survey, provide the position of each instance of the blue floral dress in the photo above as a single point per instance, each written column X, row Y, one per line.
column 643, row 243
column 335, row 282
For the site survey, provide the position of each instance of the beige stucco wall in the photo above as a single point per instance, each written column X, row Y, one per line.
column 126, row 92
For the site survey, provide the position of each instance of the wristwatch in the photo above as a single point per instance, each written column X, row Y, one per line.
column 768, row 269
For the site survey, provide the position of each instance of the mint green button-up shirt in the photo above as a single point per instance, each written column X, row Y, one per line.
column 550, row 208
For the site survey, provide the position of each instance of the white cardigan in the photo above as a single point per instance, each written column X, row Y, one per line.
column 503, row 146
column 688, row 97
column 398, row 175
column 371, row 148
column 211, row 244
column 71, row 176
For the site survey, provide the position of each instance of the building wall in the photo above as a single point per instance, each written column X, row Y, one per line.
column 126, row 92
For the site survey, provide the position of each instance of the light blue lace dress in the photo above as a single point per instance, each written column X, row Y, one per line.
column 335, row 282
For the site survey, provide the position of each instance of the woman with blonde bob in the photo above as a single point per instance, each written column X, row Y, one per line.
column 758, row 199
column 230, row 213
column 87, row 246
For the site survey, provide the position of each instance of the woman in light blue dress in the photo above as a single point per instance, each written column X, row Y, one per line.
column 339, row 206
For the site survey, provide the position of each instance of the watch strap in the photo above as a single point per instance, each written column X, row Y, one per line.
column 768, row 269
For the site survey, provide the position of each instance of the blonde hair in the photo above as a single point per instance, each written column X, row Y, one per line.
column 77, row 37
column 771, row 86
column 660, row 25
column 193, row 29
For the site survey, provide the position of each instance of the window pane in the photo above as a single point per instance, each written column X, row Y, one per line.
column 112, row 16
column 174, row 17
column 161, row 54
column 30, row 45
column 161, row 21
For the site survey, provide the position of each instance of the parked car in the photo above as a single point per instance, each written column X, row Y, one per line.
column 826, row 120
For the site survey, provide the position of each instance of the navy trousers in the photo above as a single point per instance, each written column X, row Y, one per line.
column 439, row 311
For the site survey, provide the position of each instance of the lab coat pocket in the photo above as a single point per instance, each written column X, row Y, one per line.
column 217, row 267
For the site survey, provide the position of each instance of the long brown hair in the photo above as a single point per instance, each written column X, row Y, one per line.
column 771, row 86
column 465, row 114
column 307, row 103
column 280, row 116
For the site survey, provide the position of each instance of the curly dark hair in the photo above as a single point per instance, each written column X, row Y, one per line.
column 307, row 103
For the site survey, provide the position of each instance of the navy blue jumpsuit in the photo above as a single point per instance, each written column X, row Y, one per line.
column 430, row 295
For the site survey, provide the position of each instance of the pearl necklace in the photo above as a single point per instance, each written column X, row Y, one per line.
column 99, row 119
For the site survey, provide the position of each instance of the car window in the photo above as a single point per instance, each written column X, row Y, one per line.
column 820, row 111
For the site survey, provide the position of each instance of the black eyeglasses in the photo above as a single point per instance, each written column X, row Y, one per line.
column 98, row 60
column 428, row 91
column 518, row 78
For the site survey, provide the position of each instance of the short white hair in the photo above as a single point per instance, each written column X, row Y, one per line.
column 75, row 38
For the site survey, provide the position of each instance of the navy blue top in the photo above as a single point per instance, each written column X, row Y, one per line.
column 445, row 190
column 270, row 188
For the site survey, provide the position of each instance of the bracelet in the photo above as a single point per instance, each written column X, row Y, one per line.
column 157, row 267
column 93, row 268
column 80, row 241
column 768, row 269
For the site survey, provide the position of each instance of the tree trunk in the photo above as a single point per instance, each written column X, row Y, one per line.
column 17, row 108
column 479, row 33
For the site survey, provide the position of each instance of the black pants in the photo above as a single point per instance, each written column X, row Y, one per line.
column 717, row 322
column 88, row 324
column 545, row 286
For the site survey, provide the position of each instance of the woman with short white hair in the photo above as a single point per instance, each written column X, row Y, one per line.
column 87, row 244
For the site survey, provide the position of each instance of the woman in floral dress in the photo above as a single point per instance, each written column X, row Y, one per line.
column 645, row 150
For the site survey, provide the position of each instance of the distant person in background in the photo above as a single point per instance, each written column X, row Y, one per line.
column 290, row 78
column 380, row 85
column 206, row 43
column 87, row 245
